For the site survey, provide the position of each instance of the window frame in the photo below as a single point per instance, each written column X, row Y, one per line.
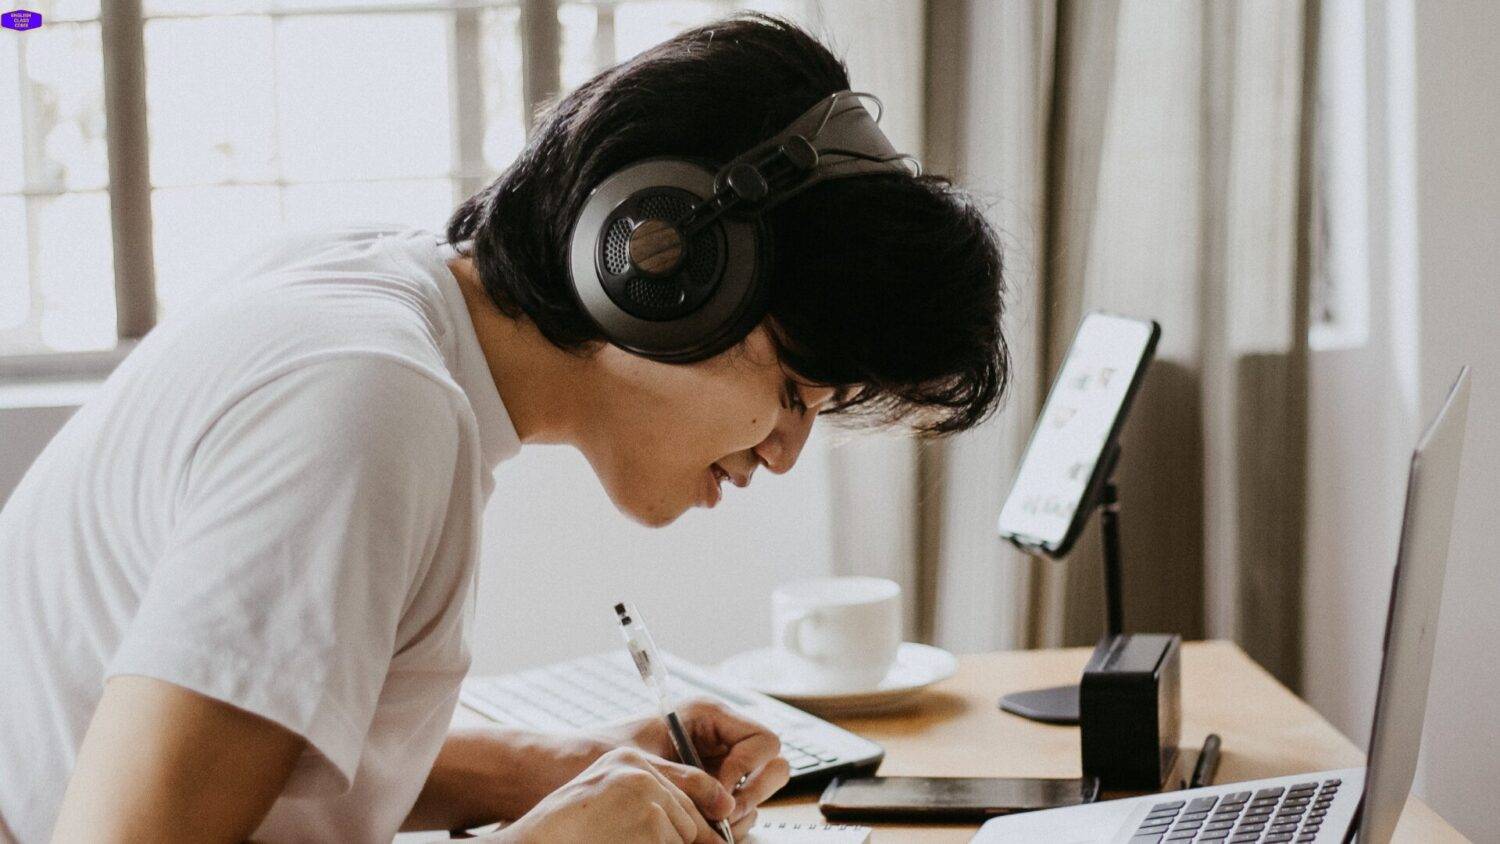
column 122, row 35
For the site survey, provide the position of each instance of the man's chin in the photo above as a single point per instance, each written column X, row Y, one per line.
column 654, row 518
column 654, row 514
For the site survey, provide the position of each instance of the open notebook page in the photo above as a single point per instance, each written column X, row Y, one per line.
column 787, row 832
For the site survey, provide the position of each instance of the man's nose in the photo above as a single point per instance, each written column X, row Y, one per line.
column 780, row 451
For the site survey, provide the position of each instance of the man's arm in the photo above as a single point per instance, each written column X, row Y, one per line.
column 161, row 763
column 488, row 774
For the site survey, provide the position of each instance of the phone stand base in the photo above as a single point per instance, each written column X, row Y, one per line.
column 1056, row 705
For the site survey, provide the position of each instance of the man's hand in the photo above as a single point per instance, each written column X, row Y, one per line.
column 487, row 774
column 627, row 797
column 740, row 754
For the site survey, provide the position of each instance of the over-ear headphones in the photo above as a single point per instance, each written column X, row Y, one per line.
column 670, row 257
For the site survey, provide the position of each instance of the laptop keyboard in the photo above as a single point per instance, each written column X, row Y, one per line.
column 1269, row 816
column 596, row 691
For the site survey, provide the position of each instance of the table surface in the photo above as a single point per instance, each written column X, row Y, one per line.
column 956, row 730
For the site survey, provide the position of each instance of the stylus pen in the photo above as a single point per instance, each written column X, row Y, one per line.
column 1208, row 762
column 643, row 652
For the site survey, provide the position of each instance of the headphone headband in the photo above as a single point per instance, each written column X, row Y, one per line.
column 847, row 138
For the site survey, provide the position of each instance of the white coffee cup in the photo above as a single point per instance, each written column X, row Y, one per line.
column 836, row 634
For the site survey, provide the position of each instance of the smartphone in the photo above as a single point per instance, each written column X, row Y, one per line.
column 948, row 798
column 1068, row 457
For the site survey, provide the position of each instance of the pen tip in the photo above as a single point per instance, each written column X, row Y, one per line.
column 619, row 609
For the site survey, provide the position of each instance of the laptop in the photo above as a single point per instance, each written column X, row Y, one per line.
column 604, row 689
column 1325, row 806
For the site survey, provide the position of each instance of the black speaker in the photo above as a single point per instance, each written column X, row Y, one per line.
column 1130, row 711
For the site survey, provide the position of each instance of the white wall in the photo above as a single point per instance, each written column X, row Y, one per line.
column 1434, row 305
column 1458, row 122
column 24, row 432
column 557, row 556
column 1363, row 385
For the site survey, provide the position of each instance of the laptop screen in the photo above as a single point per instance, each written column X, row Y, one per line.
column 1411, row 626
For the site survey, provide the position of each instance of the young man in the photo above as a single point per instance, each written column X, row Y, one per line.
column 234, row 590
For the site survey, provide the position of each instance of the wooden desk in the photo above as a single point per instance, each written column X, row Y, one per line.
column 956, row 730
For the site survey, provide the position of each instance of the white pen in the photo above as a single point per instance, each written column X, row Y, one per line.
column 643, row 652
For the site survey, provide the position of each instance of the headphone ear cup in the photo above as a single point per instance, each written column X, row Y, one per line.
column 705, row 305
column 696, row 265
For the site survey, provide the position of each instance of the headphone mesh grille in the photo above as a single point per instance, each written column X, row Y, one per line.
column 703, row 258
column 659, row 298
column 653, row 294
column 617, row 247
column 703, row 252
column 664, row 206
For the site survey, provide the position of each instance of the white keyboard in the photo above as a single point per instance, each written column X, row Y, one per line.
column 604, row 689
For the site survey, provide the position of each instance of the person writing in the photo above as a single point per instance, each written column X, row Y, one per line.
column 235, row 589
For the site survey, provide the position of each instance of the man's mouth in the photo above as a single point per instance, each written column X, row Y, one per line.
column 716, row 477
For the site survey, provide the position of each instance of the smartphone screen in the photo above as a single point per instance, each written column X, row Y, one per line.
column 949, row 798
column 1083, row 414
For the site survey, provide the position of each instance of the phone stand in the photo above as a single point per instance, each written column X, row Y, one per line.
column 1059, row 704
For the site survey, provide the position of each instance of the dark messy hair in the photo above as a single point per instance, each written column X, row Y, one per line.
column 888, row 286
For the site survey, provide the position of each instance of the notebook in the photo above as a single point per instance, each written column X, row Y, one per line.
column 788, row 832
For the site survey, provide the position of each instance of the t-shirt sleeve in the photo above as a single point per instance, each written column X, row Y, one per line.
column 307, row 513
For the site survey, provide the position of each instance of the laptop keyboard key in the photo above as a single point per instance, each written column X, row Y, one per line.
column 1163, row 813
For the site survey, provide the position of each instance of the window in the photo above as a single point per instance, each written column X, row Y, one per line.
column 1340, row 292
column 56, row 264
column 261, row 114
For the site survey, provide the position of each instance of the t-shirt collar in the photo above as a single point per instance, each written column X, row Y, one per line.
column 497, row 433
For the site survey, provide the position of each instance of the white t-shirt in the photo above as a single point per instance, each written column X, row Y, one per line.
column 275, row 501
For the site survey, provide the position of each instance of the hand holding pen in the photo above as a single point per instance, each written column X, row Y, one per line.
column 643, row 652
column 743, row 757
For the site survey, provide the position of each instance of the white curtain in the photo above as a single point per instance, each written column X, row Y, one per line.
column 990, row 80
column 900, row 509
column 923, row 513
column 873, row 477
column 1146, row 157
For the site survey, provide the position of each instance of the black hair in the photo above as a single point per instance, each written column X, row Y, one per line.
column 888, row 286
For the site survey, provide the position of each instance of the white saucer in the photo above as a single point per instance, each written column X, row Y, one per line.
column 917, row 667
